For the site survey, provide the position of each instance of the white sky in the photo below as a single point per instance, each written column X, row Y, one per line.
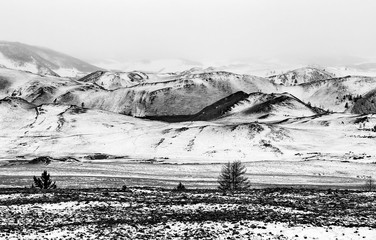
column 219, row 30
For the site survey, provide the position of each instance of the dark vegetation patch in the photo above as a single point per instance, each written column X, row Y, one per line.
column 99, row 156
column 47, row 160
column 160, row 142
column 135, row 76
column 170, row 118
column 264, row 116
column 361, row 119
column 365, row 104
column 103, row 209
column 78, row 110
column 92, row 77
column 41, row 160
column 183, row 129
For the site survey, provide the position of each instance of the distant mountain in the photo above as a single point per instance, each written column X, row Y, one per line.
column 364, row 66
column 41, row 60
column 111, row 80
column 182, row 93
column 156, row 66
column 301, row 75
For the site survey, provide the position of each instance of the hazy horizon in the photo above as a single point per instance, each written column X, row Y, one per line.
column 216, row 31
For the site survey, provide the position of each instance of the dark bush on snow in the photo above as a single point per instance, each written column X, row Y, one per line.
column 180, row 187
column 44, row 181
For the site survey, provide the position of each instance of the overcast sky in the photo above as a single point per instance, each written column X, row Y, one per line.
column 223, row 30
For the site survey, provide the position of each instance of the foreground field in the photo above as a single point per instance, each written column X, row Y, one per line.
column 150, row 213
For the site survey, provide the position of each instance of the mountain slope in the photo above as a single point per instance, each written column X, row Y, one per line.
column 267, row 107
column 366, row 104
column 41, row 60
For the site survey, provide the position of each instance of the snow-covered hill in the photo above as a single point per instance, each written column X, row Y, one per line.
column 115, row 80
column 336, row 94
column 42, row 61
column 70, row 131
column 242, row 107
column 301, row 75
column 270, row 107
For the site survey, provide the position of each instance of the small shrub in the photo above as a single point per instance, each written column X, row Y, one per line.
column 43, row 182
column 370, row 184
column 180, row 187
